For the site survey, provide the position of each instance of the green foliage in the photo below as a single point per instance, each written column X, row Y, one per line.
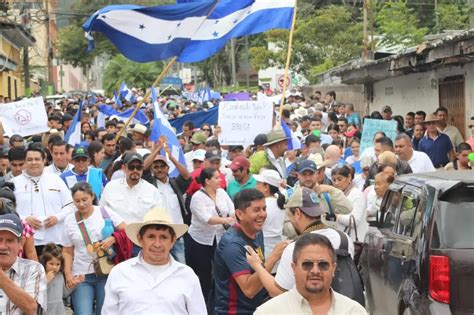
column 314, row 71
column 451, row 17
column 328, row 36
column 121, row 69
column 398, row 25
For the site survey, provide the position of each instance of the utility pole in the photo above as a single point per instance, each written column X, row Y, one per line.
column 232, row 62
column 471, row 13
column 48, row 51
column 26, row 69
column 247, row 56
column 366, row 36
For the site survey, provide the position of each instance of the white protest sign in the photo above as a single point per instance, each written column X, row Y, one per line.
column 242, row 121
column 26, row 117
column 371, row 126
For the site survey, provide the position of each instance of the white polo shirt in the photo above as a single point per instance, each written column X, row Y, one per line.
column 48, row 199
column 420, row 162
column 131, row 203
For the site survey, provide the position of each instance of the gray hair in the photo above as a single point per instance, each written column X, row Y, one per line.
column 403, row 136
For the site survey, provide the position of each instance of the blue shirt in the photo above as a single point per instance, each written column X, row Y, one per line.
column 437, row 149
column 353, row 119
column 230, row 262
column 71, row 178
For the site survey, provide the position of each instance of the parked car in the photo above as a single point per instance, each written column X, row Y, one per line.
column 418, row 258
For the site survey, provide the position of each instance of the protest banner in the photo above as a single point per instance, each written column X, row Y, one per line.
column 26, row 117
column 242, row 121
column 371, row 126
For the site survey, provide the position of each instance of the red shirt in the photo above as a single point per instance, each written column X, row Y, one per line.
column 195, row 186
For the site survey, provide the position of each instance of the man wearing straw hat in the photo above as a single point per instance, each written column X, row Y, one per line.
column 153, row 282
column 275, row 148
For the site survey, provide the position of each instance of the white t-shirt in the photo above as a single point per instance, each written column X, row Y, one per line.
column 273, row 225
column 285, row 277
column 82, row 263
column 3, row 302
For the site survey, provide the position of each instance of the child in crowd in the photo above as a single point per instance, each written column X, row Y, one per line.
column 53, row 262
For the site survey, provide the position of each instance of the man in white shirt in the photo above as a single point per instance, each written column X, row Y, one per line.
column 60, row 159
column 314, row 265
column 198, row 142
column 419, row 161
column 41, row 199
column 131, row 197
column 153, row 282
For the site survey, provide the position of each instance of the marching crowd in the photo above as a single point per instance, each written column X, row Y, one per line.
column 262, row 229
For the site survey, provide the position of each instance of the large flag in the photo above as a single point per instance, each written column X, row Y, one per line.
column 233, row 19
column 161, row 126
column 140, row 117
column 73, row 134
column 144, row 34
column 293, row 142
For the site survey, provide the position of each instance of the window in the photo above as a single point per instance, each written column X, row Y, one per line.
column 391, row 206
column 408, row 216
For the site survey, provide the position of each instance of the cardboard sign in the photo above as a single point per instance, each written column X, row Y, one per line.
column 242, row 121
column 26, row 117
column 371, row 126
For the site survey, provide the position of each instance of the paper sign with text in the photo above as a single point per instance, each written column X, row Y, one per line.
column 242, row 121
column 26, row 117
column 371, row 126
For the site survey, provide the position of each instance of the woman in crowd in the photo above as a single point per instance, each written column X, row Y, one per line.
column 333, row 131
column 96, row 153
column 90, row 136
column 85, row 128
column 212, row 214
column 207, row 129
column 78, row 259
column 342, row 177
column 268, row 182
column 376, row 194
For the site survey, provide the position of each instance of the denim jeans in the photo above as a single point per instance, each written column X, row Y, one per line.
column 178, row 251
column 83, row 297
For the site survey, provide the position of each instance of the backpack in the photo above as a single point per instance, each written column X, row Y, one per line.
column 347, row 280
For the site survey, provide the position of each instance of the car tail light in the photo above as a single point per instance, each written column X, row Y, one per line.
column 440, row 279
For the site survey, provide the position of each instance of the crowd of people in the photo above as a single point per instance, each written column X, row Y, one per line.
column 237, row 230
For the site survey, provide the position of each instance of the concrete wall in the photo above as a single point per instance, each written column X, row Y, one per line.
column 419, row 91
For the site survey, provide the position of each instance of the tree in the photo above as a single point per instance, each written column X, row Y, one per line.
column 399, row 25
column 121, row 69
column 451, row 17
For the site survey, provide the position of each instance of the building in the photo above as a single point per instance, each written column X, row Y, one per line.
column 439, row 72
column 13, row 38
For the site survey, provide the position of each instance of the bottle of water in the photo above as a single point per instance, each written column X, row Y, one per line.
column 107, row 231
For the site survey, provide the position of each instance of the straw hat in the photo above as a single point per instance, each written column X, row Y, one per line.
column 275, row 136
column 154, row 216
column 430, row 118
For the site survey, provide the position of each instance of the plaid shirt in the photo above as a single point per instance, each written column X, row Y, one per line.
column 27, row 233
column 30, row 276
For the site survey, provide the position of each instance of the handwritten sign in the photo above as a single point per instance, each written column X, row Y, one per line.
column 26, row 117
column 371, row 126
column 242, row 121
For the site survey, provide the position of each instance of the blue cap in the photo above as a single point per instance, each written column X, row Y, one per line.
column 306, row 165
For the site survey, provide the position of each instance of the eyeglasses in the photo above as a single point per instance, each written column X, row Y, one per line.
column 309, row 265
column 135, row 167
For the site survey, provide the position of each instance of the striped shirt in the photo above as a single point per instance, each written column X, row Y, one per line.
column 30, row 276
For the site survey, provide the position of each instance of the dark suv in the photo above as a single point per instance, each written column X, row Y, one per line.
column 418, row 258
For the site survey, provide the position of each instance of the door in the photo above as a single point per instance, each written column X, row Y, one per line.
column 451, row 96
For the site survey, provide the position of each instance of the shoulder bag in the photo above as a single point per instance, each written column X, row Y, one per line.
column 358, row 246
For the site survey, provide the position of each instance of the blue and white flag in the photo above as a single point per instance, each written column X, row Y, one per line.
column 145, row 34
column 73, row 134
column 117, row 100
column 126, row 93
column 233, row 19
column 161, row 126
column 293, row 142
column 140, row 117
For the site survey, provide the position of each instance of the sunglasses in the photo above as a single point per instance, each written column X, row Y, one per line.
column 205, row 129
column 135, row 167
column 309, row 265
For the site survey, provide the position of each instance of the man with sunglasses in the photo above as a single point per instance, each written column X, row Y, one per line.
column 314, row 265
column 131, row 197
column 82, row 172
column 306, row 214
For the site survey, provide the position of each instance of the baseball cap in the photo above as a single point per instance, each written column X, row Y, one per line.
column 307, row 200
column 386, row 109
column 78, row 152
column 198, row 138
column 199, row 155
column 67, row 117
column 307, row 165
column 160, row 158
column 233, row 148
column 212, row 155
column 260, row 139
column 270, row 177
column 239, row 162
column 130, row 157
column 11, row 223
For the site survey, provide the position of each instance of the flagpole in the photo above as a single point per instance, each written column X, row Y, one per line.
column 288, row 59
column 137, row 107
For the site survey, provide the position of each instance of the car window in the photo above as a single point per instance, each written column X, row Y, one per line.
column 408, row 216
column 391, row 207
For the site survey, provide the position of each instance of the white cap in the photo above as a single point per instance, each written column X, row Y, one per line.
column 270, row 177
column 199, row 154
